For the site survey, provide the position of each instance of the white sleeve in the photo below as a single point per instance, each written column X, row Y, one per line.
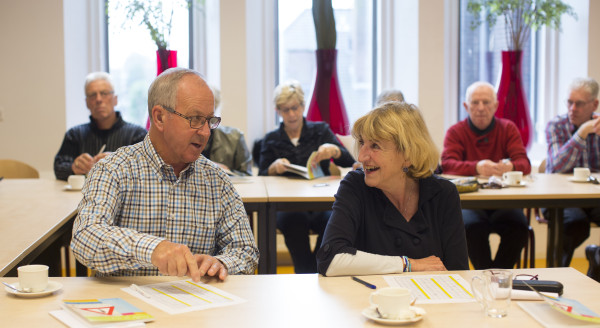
column 361, row 264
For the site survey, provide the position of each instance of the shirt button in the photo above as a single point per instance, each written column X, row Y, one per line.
column 416, row 241
column 326, row 248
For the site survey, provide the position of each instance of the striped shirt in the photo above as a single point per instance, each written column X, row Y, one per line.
column 88, row 138
column 566, row 150
column 132, row 200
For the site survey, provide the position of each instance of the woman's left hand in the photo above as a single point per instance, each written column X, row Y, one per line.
column 430, row 263
column 326, row 151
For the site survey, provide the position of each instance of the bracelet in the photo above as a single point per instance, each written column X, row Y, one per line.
column 409, row 267
column 406, row 264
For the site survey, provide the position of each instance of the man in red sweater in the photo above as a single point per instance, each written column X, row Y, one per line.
column 485, row 145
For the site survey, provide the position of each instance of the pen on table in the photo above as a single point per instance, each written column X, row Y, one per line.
column 139, row 290
column 364, row 283
column 101, row 149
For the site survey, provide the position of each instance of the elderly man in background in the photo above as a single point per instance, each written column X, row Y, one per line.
column 574, row 141
column 86, row 144
column 158, row 205
column 486, row 145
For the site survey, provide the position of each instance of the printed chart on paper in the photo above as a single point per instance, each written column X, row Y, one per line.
column 184, row 296
column 431, row 289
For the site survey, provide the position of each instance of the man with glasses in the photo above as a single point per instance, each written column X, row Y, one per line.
column 159, row 206
column 86, row 144
column 574, row 141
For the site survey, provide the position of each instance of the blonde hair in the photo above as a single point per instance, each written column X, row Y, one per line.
column 286, row 91
column 402, row 124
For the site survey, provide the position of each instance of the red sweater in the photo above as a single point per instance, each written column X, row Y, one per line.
column 463, row 147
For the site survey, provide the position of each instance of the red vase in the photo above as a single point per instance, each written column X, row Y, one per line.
column 512, row 103
column 327, row 104
column 164, row 59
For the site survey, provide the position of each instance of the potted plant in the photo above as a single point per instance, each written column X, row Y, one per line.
column 326, row 103
column 520, row 17
column 157, row 17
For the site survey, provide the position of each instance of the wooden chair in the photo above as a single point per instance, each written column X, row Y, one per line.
column 13, row 169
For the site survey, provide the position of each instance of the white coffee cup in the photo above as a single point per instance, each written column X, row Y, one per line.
column 76, row 181
column 512, row 177
column 392, row 303
column 581, row 173
column 33, row 278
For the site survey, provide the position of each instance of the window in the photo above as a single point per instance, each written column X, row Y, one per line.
column 132, row 57
column 355, row 65
column 481, row 58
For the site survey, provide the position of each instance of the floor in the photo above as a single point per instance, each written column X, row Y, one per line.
column 580, row 264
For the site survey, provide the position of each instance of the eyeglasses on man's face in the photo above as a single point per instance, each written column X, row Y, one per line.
column 103, row 95
column 578, row 104
column 197, row 122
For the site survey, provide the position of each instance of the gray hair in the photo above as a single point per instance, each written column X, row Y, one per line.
column 476, row 85
column 286, row 91
column 389, row 95
column 585, row 83
column 95, row 76
column 163, row 90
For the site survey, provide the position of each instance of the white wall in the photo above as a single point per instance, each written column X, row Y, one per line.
column 32, row 81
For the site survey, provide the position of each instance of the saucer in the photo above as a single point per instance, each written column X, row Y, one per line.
column 371, row 313
column 69, row 188
column 572, row 179
column 51, row 288
column 522, row 184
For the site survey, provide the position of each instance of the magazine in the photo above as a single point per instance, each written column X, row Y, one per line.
column 307, row 172
column 96, row 312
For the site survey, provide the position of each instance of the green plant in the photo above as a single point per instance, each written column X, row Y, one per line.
column 324, row 24
column 155, row 15
column 520, row 16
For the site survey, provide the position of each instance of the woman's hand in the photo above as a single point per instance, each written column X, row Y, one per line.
column 326, row 151
column 278, row 167
column 431, row 263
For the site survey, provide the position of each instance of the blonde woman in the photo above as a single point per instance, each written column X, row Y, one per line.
column 394, row 215
column 293, row 142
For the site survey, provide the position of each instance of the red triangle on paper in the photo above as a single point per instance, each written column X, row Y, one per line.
column 108, row 310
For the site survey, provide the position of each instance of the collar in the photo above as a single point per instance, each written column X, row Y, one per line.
column 162, row 169
column 484, row 131
column 118, row 123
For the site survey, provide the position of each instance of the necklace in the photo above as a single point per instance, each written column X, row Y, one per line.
column 407, row 203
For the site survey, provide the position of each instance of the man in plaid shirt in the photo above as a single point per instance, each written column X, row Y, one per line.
column 574, row 141
column 159, row 206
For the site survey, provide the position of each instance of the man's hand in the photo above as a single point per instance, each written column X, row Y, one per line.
column 488, row 168
column 210, row 266
column 591, row 126
column 82, row 164
column 100, row 156
column 431, row 263
column 175, row 260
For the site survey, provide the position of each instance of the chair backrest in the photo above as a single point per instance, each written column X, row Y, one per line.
column 542, row 167
column 350, row 144
column 12, row 169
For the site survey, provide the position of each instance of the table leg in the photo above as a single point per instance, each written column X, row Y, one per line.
column 554, row 252
column 272, row 239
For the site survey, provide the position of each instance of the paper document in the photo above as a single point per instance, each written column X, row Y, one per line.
column 183, row 296
column 550, row 318
column 433, row 289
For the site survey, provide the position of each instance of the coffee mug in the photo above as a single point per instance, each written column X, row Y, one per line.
column 76, row 181
column 512, row 177
column 392, row 303
column 581, row 173
column 492, row 290
column 33, row 278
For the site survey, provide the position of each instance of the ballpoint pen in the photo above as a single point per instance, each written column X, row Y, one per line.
column 139, row 290
column 101, row 149
column 364, row 283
